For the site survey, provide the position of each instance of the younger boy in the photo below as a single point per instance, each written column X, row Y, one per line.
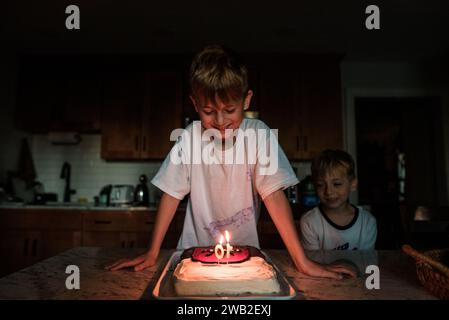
column 335, row 224
column 224, row 196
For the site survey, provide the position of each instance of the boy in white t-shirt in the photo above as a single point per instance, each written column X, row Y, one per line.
column 335, row 224
column 223, row 194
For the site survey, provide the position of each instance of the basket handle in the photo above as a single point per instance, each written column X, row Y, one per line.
column 419, row 256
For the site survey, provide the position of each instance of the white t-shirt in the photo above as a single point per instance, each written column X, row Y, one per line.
column 222, row 196
column 318, row 232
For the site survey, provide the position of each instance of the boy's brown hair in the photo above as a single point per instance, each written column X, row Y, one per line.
column 216, row 71
column 330, row 160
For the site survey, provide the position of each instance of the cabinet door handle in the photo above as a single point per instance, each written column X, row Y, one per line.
column 102, row 222
column 131, row 244
column 123, row 244
column 305, row 143
column 144, row 143
column 297, row 143
column 34, row 248
column 25, row 247
column 137, row 143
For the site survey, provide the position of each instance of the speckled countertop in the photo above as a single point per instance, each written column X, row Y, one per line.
column 46, row 279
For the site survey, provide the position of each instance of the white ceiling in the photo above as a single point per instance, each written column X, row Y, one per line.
column 410, row 30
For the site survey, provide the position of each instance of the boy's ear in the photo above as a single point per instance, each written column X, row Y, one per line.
column 247, row 99
column 354, row 184
column 193, row 102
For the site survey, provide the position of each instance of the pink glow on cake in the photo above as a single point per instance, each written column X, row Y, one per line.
column 207, row 255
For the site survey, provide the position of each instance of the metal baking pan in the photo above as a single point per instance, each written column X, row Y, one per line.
column 165, row 290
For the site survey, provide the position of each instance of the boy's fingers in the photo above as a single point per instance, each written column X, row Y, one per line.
column 333, row 275
column 123, row 265
column 112, row 265
column 348, row 271
column 126, row 263
column 143, row 265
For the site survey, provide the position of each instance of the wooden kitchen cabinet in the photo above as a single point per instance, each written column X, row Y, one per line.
column 122, row 95
column 279, row 105
column 28, row 236
column 320, row 110
column 140, row 110
column 303, row 101
column 58, row 94
column 129, row 229
column 19, row 249
column 162, row 113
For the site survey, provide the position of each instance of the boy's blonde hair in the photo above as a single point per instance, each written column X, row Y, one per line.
column 216, row 71
column 330, row 160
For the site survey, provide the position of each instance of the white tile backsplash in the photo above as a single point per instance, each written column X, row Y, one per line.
column 89, row 172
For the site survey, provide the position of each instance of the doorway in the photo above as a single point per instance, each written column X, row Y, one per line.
column 400, row 160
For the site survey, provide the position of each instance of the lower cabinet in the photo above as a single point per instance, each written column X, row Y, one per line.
column 19, row 249
column 28, row 236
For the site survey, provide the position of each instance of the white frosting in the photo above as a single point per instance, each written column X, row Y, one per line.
column 254, row 276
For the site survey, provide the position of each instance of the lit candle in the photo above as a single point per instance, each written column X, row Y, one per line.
column 228, row 246
column 219, row 250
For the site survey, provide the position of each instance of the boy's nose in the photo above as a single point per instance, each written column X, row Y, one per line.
column 219, row 119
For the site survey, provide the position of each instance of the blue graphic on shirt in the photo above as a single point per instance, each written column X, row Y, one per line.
column 242, row 217
column 344, row 247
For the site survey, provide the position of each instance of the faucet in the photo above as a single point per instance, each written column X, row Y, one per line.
column 65, row 174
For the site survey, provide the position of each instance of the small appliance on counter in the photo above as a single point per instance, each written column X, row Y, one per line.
column 121, row 194
column 105, row 195
column 141, row 193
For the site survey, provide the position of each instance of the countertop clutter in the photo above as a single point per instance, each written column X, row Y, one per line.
column 46, row 279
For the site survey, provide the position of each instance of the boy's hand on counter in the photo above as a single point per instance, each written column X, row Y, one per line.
column 333, row 271
column 139, row 263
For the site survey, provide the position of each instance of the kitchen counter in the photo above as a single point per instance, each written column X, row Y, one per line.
column 75, row 206
column 82, row 207
column 46, row 279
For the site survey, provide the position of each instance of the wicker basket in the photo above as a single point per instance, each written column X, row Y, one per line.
column 432, row 270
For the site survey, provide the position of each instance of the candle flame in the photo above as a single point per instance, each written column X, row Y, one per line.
column 221, row 239
column 227, row 235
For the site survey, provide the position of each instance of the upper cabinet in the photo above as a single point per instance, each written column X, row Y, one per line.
column 320, row 113
column 56, row 94
column 140, row 110
column 301, row 98
column 135, row 102
column 123, row 100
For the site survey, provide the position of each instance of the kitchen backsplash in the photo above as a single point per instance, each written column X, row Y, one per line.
column 89, row 172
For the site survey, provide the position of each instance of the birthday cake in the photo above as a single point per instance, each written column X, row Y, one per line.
column 244, row 271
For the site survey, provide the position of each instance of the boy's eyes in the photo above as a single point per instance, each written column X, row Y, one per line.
column 209, row 112
column 335, row 184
